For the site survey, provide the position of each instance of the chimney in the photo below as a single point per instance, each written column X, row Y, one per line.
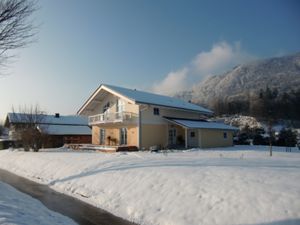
column 56, row 115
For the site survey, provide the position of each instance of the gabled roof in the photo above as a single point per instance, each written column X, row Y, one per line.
column 200, row 124
column 62, row 125
column 141, row 97
column 66, row 129
column 46, row 119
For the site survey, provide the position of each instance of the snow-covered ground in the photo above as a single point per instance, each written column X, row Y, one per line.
column 18, row 208
column 238, row 185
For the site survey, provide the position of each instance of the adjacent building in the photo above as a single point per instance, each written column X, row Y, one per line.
column 59, row 129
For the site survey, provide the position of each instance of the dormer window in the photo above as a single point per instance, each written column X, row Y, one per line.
column 156, row 111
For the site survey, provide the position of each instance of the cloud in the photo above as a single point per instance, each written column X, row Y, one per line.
column 221, row 57
column 174, row 82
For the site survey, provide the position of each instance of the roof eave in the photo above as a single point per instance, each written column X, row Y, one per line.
column 214, row 128
column 179, row 108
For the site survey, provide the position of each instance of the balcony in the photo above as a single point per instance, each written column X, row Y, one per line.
column 118, row 117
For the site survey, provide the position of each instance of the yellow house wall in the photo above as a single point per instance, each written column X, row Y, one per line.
column 114, row 133
column 133, row 108
column 209, row 138
column 154, row 134
column 149, row 118
column 95, row 135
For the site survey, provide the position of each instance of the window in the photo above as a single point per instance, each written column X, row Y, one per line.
column 102, row 136
column 192, row 134
column 225, row 135
column 106, row 107
column 120, row 105
column 156, row 111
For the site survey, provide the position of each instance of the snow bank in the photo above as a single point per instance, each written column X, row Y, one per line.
column 18, row 208
column 239, row 185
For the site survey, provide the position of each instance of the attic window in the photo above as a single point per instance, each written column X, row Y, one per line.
column 156, row 111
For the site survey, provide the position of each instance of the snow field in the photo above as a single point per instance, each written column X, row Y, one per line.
column 239, row 185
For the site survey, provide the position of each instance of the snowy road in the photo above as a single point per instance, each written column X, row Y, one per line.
column 17, row 208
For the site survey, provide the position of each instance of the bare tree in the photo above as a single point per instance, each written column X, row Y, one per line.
column 29, row 127
column 265, row 107
column 1, row 128
column 16, row 27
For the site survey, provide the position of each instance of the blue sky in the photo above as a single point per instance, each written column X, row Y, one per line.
column 159, row 46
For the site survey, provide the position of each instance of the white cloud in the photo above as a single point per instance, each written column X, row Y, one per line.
column 220, row 55
column 220, row 58
column 174, row 82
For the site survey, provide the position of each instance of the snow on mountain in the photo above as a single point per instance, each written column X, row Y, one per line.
column 245, row 80
column 240, row 121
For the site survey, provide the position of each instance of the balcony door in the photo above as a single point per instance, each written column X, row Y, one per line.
column 123, row 136
column 105, row 110
column 120, row 108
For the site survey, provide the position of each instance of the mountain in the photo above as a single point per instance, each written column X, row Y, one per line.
column 246, row 80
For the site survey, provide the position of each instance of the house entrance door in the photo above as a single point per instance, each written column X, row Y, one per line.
column 172, row 136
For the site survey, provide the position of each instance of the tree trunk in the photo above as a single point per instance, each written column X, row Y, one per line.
column 270, row 137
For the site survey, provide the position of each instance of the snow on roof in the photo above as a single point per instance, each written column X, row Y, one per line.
column 142, row 97
column 155, row 99
column 200, row 124
column 66, row 129
column 47, row 119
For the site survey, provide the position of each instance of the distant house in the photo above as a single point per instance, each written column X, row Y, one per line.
column 59, row 129
column 126, row 117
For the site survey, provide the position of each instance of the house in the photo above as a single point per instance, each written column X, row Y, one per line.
column 59, row 129
column 128, row 117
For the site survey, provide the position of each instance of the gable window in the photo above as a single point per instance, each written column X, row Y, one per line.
column 225, row 135
column 106, row 107
column 156, row 111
